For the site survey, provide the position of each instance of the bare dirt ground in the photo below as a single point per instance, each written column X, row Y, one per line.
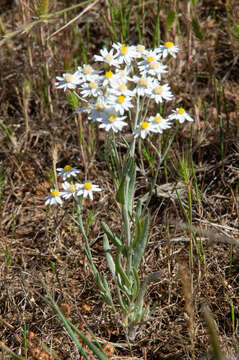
column 39, row 244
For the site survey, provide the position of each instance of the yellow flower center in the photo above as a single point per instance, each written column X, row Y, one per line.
column 72, row 188
column 68, row 78
column 87, row 69
column 88, row 186
column 154, row 65
column 109, row 58
column 124, row 50
column 168, row 44
column 150, row 59
column 181, row 111
column 108, row 74
column 122, row 87
column 67, row 168
column 157, row 119
column 158, row 90
column 55, row 193
column 112, row 118
column 121, row 99
column 144, row 125
column 143, row 82
column 140, row 49
column 93, row 85
column 99, row 107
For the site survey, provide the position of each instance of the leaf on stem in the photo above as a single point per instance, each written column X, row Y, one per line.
column 141, row 241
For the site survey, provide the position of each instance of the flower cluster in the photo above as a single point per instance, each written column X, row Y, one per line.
column 130, row 75
column 71, row 189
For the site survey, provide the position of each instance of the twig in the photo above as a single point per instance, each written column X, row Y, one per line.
column 74, row 19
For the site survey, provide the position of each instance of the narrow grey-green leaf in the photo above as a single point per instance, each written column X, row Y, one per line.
column 121, row 300
column 139, row 222
column 100, row 283
column 138, row 209
column 107, row 296
column 108, row 255
column 136, row 284
column 140, row 248
column 120, row 196
column 120, row 269
column 115, row 240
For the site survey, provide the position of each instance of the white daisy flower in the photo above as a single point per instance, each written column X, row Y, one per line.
column 98, row 108
column 168, row 48
column 143, row 85
column 87, row 189
column 120, row 88
column 150, row 56
column 54, row 198
column 125, row 53
column 68, row 81
column 159, row 124
column 144, row 129
column 120, row 103
column 70, row 190
column 123, row 75
column 181, row 115
column 87, row 73
column 107, row 57
column 90, row 89
column 153, row 68
column 161, row 93
column 67, row 172
column 113, row 121
column 107, row 78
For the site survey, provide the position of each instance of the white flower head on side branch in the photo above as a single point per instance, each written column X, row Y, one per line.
column 68, row 81
column 108, row 57
column 153, row 68
column 67, row 172
column 97, row 109
column 168, row 49
column 120, row 103
column 159, row 124
column 161, row 92
column 123, row 74
column 71, row 190
column 112, row 120
column 87, row 189
column 91, row 88
column 87, row 73
column 144, row 85
column 54, row 198
column 144, row 129
column 125, row 54
column 181, row 115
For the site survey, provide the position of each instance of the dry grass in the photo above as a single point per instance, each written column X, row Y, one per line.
column 36, row 244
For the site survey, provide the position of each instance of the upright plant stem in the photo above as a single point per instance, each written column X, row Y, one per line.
column 82, row 230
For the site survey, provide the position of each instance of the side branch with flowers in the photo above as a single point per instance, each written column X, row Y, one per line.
column 128, row 92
